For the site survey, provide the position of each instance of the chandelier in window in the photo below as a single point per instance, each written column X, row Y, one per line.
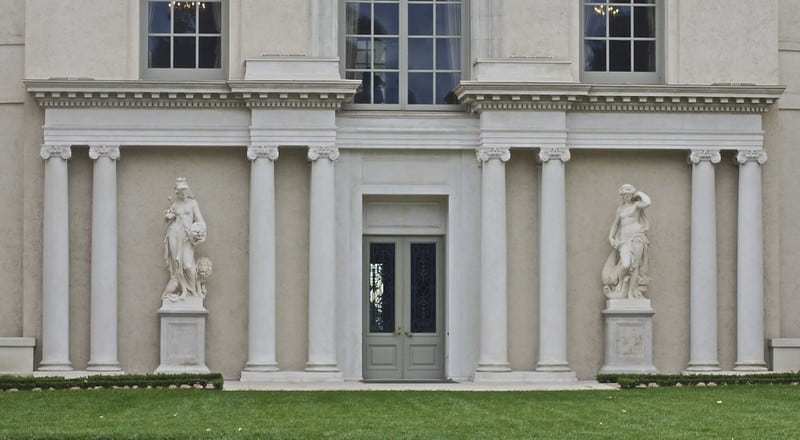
column 187, row 5
column 603, row 10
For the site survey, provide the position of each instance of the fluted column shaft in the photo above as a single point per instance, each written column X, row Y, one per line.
column 750, row 264
column 494, row 295
column 553, row 262
column 103, row 313
column 55, row 260
column 261, row 324
column 322, row 262
column 703, row 270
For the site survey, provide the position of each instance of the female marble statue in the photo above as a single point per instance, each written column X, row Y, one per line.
column 186, row 229
column 625, row 270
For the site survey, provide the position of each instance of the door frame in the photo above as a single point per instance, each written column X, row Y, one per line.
column 401, row 336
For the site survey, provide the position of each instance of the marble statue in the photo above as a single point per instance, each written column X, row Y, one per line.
column 185, row 231
column 625, row 269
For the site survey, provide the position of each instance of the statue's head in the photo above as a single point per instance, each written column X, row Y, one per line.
column 203, row 269
column 627, row 191
column 182, row 189
column 198, row 231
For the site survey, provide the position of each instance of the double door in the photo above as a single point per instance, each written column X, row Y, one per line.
column 403, row 308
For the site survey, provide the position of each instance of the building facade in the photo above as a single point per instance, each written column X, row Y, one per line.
column 399, row 189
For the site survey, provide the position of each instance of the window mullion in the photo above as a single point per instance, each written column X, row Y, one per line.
column 172, row 36
column 403, row 53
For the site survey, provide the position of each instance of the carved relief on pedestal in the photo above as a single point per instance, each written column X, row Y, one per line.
column 330, row 153
column 751, row 155
column 262, row 152
column 49, row 150
column 109, row 151
column 484, row 154
column 625, row 270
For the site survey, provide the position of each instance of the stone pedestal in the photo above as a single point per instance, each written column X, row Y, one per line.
column 183, row 336
column 628, row 337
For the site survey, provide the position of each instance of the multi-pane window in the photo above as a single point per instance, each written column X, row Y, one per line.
column 405, row 52
column 184, row 36
column 620, row 39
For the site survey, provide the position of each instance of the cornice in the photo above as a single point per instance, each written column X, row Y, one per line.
column 325, row 94
column 78, row 93
column 482, row 96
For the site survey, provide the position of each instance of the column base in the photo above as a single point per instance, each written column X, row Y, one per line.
column 321, row 368
column 753, row 366
column 702, row 367
column 525, row 377
column 291, row 376
column 493, row 368
column 261, row 368
column 101, row 367
column 553, row 368
column 55, row 366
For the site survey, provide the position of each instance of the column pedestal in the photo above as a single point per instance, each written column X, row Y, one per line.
column 628, row 325
column 183, row 336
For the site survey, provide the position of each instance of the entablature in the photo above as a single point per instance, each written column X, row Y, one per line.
column 88, row 93
column 537, row 96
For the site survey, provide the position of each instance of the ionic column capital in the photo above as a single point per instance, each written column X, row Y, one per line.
column 485, row 154
column 329, row 152
column 751, row 155
column 109, row 151
column 550, row 153
column 697, row 156
column 262, row 152
column 63, row 151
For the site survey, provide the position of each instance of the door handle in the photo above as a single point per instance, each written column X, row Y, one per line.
column 409, row 334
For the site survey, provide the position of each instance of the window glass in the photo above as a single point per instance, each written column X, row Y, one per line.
column 620, row 36
column 405, row 52
column 184, row 35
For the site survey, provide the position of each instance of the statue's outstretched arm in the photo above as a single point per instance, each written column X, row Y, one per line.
column 644, row 200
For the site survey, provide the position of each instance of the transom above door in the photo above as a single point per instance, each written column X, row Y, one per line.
column 403, row 308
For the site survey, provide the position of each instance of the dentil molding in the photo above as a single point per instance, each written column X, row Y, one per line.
column 751, row 155
column 109, row 151
column 331, row 153
column 554, row 153
column 48, row 150
column 262, row 152
column 697, row 156
column 485, row 154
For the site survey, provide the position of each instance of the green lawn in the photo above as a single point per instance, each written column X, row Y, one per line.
column 729, row 412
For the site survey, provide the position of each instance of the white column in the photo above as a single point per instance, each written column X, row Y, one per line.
column 261, row 325
column 494, row 302
column 322, row 262
column 703, row 269
column 553, row 262
column 103, row 313
column 750, row 264
column 55, row 260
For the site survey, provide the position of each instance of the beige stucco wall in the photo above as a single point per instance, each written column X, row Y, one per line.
column 12, row 116
column 722, row 41
column 522, row 188
column 537, row 28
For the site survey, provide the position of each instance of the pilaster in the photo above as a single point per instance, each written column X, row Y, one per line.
column 493, row 293
column 103, row 313
column 262, row 270
column 750, row 264
column 55, row 260
column 321, row 261
column 553, row 262
column 703, row 279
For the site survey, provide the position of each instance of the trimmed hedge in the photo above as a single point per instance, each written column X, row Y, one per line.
column 130, row 380
column 634, row 380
